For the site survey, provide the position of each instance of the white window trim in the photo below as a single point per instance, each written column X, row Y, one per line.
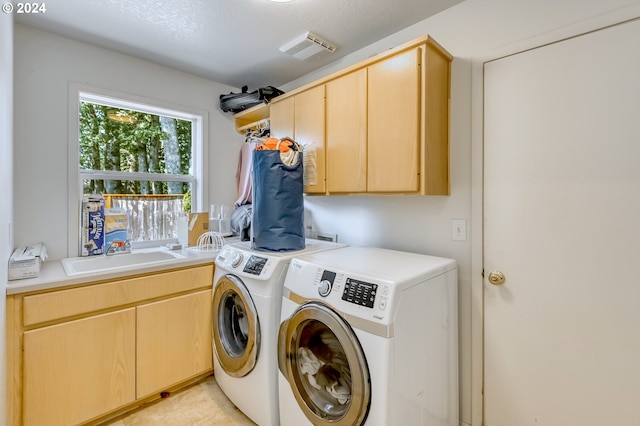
column 78, row 92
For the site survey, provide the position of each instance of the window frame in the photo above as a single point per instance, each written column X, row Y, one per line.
column 197, row 178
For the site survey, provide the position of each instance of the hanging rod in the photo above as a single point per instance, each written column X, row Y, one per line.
column 256, row 125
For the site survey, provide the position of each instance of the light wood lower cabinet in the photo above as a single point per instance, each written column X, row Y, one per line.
column 79, row 355
column 174, row 341
column 77, row 370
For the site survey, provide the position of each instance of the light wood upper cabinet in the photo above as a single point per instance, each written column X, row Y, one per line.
column 302, row 118
column 393, row 107
column 78, row 370
column 434, row 121
column 347, row 133
column 387, row 122
column 173, row 341
column 282, row 118
column 373, row 127
column 310, row 132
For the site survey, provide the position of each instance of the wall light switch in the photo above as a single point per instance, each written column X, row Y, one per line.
column 459, row 230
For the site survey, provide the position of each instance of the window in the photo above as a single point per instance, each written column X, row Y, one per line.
column 141, row 157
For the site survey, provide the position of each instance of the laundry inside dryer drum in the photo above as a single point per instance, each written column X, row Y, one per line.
column 323, row 371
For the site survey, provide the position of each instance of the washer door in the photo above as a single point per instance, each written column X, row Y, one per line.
column 323, row 361
column 236, row 328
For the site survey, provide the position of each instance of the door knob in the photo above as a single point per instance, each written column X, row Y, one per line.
column 496, row 278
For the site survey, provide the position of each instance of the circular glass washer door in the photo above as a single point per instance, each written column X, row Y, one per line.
column 325, row 366
column 236, row 327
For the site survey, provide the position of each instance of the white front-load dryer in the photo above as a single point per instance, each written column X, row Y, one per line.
column 368, row 336
column 247, row 295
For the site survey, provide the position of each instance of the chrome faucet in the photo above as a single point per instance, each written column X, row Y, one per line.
column 115, row 245
column 111, row 249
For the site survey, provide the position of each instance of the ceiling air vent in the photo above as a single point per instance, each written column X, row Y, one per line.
column 308, row 46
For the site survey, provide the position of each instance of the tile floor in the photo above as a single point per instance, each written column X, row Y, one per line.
column 202, row 404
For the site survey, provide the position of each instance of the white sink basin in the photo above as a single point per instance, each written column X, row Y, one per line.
column 93, row 264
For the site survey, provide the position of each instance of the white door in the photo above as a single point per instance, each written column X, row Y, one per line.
column 562, row 223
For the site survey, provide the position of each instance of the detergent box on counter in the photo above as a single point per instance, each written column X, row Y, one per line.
column 92, row 231
column 25, row 262
column 115, row 229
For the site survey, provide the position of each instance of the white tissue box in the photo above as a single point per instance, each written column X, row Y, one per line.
column 25, row 262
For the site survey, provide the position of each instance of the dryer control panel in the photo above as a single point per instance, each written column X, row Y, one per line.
column 359, row 292
column 354, row 295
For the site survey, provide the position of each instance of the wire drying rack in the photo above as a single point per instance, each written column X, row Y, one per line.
column 210, row 241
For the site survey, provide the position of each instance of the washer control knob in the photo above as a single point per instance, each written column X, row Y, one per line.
column 325, row 288
column 236, row 260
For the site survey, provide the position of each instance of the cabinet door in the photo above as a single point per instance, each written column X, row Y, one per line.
column 78, row 370
column 394, row 124
column 281, row 118
column 301, row 117
column 174, row 342
column 309, row 119
column 346, row 109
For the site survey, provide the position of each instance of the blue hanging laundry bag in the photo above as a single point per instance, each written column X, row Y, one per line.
column 278, row 205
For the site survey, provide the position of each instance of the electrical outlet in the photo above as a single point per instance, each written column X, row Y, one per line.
column 459, row 230
column 323, row 236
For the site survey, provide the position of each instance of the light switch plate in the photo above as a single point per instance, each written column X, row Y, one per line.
column 459, row 230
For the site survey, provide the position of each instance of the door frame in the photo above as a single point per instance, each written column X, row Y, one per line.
column 477, row 182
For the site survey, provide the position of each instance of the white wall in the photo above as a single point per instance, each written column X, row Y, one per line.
column 45, row 65
column 6, row 183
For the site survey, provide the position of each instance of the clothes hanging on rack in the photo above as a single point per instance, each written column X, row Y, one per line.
column 244, row 177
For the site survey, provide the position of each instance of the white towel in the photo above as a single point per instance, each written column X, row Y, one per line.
column 309, row 364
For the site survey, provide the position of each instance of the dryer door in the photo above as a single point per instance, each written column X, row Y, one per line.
column 236, row 327
column 323, row 361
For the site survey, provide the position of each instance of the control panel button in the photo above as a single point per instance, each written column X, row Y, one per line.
column 383, row 304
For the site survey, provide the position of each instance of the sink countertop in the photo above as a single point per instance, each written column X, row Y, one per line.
column 52, row 273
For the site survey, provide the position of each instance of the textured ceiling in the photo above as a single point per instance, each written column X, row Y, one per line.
column 231, row 41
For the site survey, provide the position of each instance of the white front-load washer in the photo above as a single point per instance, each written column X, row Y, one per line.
column 369, row 336
column 247, row 295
